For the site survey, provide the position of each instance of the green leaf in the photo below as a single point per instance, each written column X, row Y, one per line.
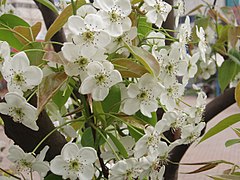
column 98, row 109
column 119, row 145
column 225, row 123
column 237, row 131
column 146, row 59
column 49, row 5
column 36, row 54
column 143, row 26
column 136, row 1
column 234, row 55
column 53, row 177
column 113, row 101
column 232, row 142
column 48, row 87
column 204, row 168
column 87, row 139
column 152, row 121
column 237, row 94
column 61, row 20
column 225, row 177
column 136, row 133
column 226, row 73
column 129, row 67
column 7, row 33
column 61, row 97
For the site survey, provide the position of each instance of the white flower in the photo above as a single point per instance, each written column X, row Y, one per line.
column 143, row 95
column 185, row 31
column 74, row 163
column 191, row 67
column 26, row 162
column 190, row 132
column 20, row 76
column 101, row 76
column 117, row 43
column 88, row 33
column 77, row 63
column 235, row 81
column 202, row 43
column 180, row 11
column 157, row 11
column 156, row 39
column 174, row 119
column 4, row 53
column 126, row 169
column 173, row 90
column 208, row 69
column 17, row 107
column 115, row 15
column 218, row 58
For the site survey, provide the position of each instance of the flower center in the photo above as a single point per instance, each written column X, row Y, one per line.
column 114, row 17
column 82, row 62
column 74, row 165
column 18, row 78
column 88, row 36
column 159, row 8
column 100, row 78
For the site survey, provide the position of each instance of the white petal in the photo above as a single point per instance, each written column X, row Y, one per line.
column 115, row 77
column 71, row 51
column 69, row 151
column 88, row 50
column 93, row 22
column 5, row 50
column 105, row 5
column 88, row 155
column 33, row 75
column 76, row 24
column 14, row 99
column 126, row 24
column 30, row 124
column 125, row 6
column 146, row 109
column 131, row 106
column 133, row 90
column 88, row 85
column 20, row 61
column 100, row 93
column 15, row 153
column 41, row 167
column 4, row 108
column 115, row 29
column 151, row 16
column 86, row 172
column 150, row 2
column 182, row 67
column 94, row 68
column 103, row 39
column 57, row 166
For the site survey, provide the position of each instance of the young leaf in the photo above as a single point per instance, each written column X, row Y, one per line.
column 52, row 176
column 129, row 67
column 152, row 121
column 145, row 58
column 119, row 145
column 225, row 123
column 61, row 20
column 61, row 97
column 48, row 87
column 87, row 139
column 113, row 101
column 226, row 73
column 48, row 4
column 232, row 142
column 204, row 168
column 143, row 26
column 237, row 131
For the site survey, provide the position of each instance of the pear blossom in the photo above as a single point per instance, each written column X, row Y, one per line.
column 77, row 62
column 185, row 31
column 126, row 169
column 180, row 11
column 4, row 53
column 101, row 77
column 20, row 110
column 74, row 163
column 191, row 132
column 154, row 39
column 143, row 96
column 208, row 69
column 191, row 67
column 235, row 81
column 202, row 42
column 218, row 58
column 174, row 119
column 115, row 15
column 6, row 9
column 157, row 11
column 117, row 43
column 88, row 33
column 26, row 162
column 173, row 90
column 20, row 76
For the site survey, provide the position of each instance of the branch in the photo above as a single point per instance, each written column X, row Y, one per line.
column 49, row 17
